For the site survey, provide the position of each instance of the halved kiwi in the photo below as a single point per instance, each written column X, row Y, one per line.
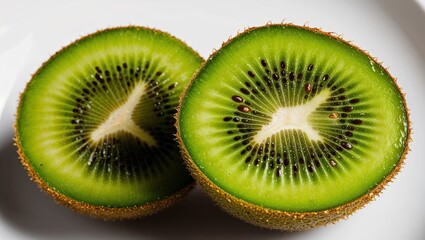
column 288, row 127
column 95, row 125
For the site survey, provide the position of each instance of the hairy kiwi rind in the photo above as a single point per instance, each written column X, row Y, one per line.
column 103, row 212
column 106, row 213
column 278, row 219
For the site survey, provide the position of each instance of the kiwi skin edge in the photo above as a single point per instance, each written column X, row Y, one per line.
column 102, row 212
column 96, row 211
column 277, row 219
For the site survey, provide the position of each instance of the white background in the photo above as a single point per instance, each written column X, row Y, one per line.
column 31, row 31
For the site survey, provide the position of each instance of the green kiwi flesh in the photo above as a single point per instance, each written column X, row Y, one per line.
column 289, row 127
column 95, row 125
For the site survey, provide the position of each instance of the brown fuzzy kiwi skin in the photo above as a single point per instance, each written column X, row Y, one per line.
column 278, row 219
column 100, row 212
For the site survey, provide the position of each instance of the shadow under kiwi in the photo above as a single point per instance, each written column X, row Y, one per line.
column 34, row 214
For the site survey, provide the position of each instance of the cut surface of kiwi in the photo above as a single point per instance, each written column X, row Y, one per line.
column 95, row 125
column 289, row 127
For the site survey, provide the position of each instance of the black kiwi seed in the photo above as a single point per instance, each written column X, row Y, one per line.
column 346, row 145
column 244, row 91
column 244, row 120
column 98, row 69
column 295, row 168
column 257, row 162
column 282, row 64
column 348, row 134
column 268, row 71
column 172, row 86
column 237, row 98
column 301, row 160
column 347, row 109
column 275, row 76
column 310, row 167
column 310, row 67
column 354, row 100
column 278, row 160
column 356, row 122
column 300, row 76
column 291, row 76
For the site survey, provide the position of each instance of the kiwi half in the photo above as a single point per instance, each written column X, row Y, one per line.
column 288, row 127
column 95, row 125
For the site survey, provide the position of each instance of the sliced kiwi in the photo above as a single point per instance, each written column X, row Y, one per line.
column 288, row 127
column 95, row 125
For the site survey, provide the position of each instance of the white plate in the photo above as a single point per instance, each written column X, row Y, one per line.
column 30, row 31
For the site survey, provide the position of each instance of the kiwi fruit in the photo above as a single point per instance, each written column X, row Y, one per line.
column 289, row 127
column 95, row 124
